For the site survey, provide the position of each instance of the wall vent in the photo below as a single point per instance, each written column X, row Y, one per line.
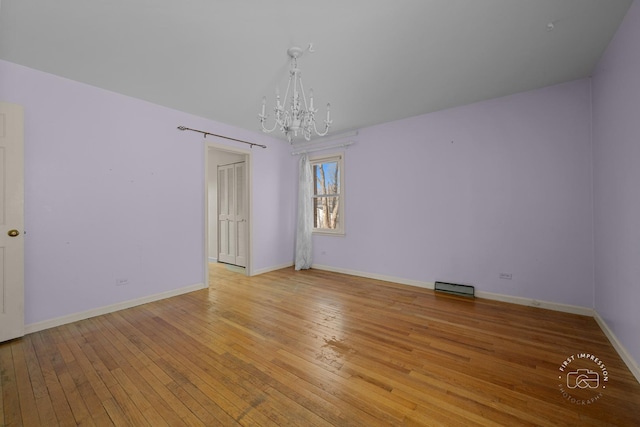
column 455, row 289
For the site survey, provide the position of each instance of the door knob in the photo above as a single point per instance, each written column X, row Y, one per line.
column 13, row 233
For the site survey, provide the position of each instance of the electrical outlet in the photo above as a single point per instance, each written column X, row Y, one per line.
column 122, row 282
column 506, row 276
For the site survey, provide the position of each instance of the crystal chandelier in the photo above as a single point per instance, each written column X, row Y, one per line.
column 298, row 117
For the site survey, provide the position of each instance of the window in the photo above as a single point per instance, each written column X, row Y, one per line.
column 328, row 194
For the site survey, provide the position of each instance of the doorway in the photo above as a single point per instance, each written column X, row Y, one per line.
column 228, row 195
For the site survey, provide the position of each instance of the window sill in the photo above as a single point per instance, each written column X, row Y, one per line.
column 329, row 233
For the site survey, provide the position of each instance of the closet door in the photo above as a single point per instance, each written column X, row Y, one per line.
column 232, row 216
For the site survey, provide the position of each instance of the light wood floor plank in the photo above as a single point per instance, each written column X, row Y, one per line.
column 311, row 348
column 28, row 407
column 47, row 357
column 46, row 413
column 9, row 396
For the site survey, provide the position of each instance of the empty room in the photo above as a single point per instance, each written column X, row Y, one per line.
column 320, row 213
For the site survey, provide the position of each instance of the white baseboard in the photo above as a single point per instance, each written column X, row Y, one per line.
column 622, row 351
column 427, row 285
column 273, row 268
column 565, row 308
column 58, row 321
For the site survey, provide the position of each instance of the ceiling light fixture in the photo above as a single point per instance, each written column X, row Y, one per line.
column 298, row 117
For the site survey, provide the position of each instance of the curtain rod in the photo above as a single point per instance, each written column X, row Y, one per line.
column 221, row 136
column 326, row 147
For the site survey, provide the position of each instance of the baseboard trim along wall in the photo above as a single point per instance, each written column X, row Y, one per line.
column 566, row 308
column 58, row 321
column 427, row 285
column 268, row 269
column 622, row 351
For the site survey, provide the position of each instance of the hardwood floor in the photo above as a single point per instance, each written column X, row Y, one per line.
column 314, row 348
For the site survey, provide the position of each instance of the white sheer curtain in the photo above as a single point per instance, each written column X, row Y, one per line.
column 305, row 215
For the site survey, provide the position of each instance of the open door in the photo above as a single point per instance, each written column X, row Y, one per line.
column 11, row 221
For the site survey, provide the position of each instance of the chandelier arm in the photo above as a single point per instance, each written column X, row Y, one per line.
column 263, row 118
column 327, row 125
column 264, row 128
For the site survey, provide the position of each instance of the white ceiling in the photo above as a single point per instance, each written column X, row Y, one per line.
column 374, row 60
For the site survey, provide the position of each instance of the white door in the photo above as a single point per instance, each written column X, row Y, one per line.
column 11, row 221
column 232, row 218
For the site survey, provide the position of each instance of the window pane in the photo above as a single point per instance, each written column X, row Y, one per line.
column 325, row 212
column 327, row 194
column 326, row 178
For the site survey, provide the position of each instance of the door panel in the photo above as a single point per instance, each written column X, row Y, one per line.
column 225, row 215
column 11, row 221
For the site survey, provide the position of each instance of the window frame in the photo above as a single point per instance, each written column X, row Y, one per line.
column 331, row 158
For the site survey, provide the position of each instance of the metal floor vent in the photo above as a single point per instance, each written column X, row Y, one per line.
column 455, row 289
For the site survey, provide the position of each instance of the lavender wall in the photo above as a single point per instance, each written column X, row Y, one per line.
column 467, row 193
column 616, row 146
column 113, row 190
